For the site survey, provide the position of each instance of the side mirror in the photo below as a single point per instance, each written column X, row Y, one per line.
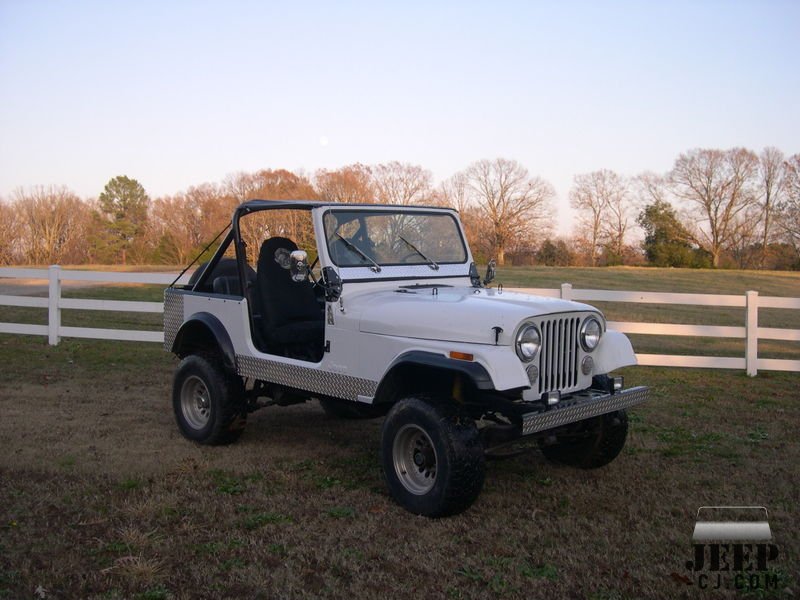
column 332, row 284
column 474, row 276
column 491, row 271
column 298, row 265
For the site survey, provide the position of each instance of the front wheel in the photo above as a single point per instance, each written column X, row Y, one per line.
column 432, row 458
column 589, row 444
column 209, row 403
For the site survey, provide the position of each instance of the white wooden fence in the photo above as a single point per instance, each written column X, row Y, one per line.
column 54, row 303
column 750, row 331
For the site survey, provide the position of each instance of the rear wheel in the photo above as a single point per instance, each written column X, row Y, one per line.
column 432, row 458
column 589, row 444
column 209, row 403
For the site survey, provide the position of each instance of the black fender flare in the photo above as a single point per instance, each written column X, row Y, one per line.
column 474, row 371
column 205, row 324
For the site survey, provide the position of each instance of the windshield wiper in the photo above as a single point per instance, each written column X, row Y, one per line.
column 375, row 268
column 431, row 263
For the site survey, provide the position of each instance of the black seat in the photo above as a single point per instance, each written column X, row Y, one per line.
column 227, row 285
column 224, row 279
column 291, row 318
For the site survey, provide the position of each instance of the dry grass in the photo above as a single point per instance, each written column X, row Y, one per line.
column 100, row 497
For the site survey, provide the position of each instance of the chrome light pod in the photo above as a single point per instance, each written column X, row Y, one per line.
column 587, row 365
column 528, row 342
column 533, row 373
column 591, row 332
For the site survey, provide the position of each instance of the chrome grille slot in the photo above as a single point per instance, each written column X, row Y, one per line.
column 558, row 360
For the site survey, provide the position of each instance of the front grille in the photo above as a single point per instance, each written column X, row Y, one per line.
column 558, row 359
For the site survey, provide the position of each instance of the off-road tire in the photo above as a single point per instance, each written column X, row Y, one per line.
column 458, row 457
column 590, row 444
column 208, row 402
column 346, row 409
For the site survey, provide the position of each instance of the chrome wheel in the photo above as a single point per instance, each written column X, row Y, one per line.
column 195, row 402
column 414, row 459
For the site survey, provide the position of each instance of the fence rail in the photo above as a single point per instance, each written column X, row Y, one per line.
column 750, row 301
column 55, row 303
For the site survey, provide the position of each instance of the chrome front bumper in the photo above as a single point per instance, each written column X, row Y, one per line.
column 581, row 406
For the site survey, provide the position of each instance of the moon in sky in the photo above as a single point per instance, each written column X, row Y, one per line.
column 323, row 141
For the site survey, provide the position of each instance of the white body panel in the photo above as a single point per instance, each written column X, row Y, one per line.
column 373, row 324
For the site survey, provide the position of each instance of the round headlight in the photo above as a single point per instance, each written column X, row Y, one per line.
column 591, row 330
column 528, row 342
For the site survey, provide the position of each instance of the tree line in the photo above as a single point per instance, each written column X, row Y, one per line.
column 714, row 208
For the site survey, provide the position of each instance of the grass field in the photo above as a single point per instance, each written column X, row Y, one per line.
column 100, row 497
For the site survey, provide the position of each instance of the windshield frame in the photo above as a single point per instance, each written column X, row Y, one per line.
column 393, row 272
column 377, row 210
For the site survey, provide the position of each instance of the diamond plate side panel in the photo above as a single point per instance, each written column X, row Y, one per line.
column 305, row 378
column 557, row 417
column 173, row 316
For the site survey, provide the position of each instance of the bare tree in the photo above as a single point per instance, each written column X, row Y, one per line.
column 618, row 215
column 402, row 183
column 602, row 201
column 178, row 222
column 591, row 207
column 744, row 244
column 650, row 188
column 719, row 185
column 516, row 206
column 214, row 207
column 53, row 225
column 280, row 184
column 788, row 210
column 273, row 184
column 239, row 186
column 456, row 193
column 352, row 183
column 770, row 172
column 9, row 232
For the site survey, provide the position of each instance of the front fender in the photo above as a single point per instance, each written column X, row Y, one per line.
column 476, row 372
column 614, row 352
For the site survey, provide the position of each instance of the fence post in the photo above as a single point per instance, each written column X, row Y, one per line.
column 751, row 327
column 53, row 304
column 566, row 291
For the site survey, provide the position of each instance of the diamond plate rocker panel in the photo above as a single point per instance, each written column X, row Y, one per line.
column 305, row 378
column 173, row 316
column 556, row 417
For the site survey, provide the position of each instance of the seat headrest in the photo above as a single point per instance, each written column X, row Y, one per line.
column 271, row 251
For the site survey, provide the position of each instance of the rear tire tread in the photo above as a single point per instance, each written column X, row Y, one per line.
column 229, row 408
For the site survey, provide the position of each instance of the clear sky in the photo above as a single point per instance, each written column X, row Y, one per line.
column 178, row 93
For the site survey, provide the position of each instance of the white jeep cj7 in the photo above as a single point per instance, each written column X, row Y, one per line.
column 392, row 319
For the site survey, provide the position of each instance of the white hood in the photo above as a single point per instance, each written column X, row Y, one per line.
column 462, row 314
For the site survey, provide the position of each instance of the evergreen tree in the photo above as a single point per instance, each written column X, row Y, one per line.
column 124, row 206
column 667, row 243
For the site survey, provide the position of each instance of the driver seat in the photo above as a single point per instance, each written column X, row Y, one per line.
column 292, row 322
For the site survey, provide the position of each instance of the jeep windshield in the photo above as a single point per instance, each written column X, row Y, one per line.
column 372, row 238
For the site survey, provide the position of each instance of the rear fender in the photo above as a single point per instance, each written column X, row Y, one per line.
column 205, row 331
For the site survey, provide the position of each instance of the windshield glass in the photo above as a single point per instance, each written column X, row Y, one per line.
column 358, row 238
